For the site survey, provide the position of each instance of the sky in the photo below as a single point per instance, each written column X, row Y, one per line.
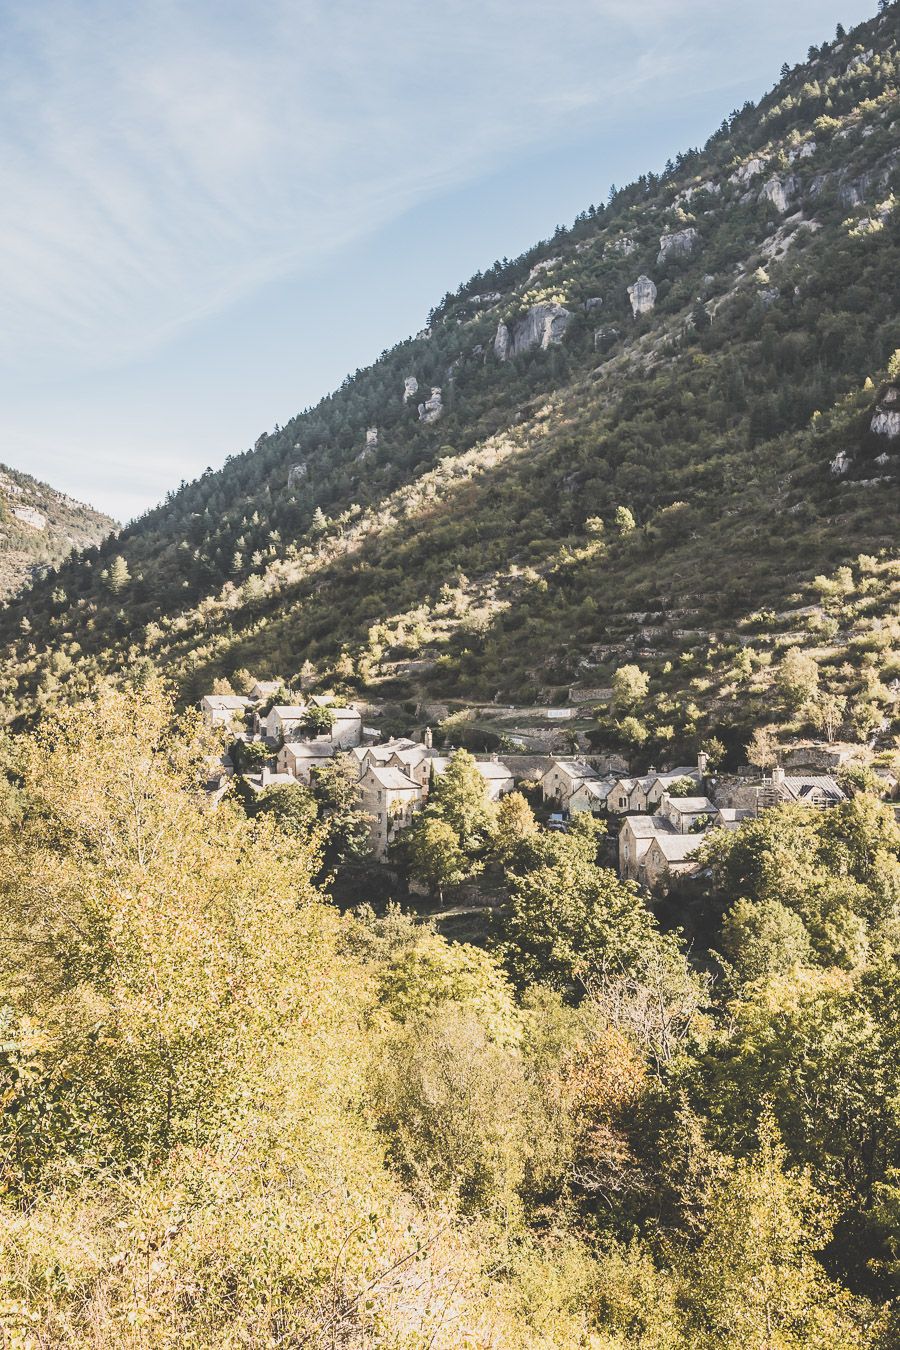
column 214, row 210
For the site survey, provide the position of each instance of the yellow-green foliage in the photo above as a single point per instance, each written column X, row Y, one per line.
column 231, row 1117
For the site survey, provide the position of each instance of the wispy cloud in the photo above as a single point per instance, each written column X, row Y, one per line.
column 162, row 158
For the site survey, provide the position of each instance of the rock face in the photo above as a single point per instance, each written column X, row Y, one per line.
column 483, row 301
column 840, row 464
column 502, row 342
column 805, row 151
column 29, row 515
column 372, row 438
column 689, row 193
column 625, row 246
column 779, row 191
column 886, row 421
column 592, row 303
column 642, row 296
column 747, row 172
column 296, row 475
column 679, row 244
column 410, row 387
column 433, row 407
column 542, row 326
column 544, row 266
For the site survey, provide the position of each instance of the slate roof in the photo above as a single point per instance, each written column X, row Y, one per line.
column 799, row 787
column 309, row 749
column 647, row 827
column 676, row 847
column 231, row 701
column 574, row 768
column 691, row 806
column 393, row 780
column 599, row 788
column 491, row 768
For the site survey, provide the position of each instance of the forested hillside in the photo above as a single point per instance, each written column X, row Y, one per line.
column 562, row 473
column 650, row 469
column 39, row 528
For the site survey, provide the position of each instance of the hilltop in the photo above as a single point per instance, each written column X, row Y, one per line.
column 39, row 527
column 668, row 436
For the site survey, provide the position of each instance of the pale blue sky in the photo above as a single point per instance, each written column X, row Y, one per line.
column 213, row 210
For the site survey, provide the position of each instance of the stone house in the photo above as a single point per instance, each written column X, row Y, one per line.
column 498, row 779
column 636, row 835
column 645, row 792
column 221, row 710
column 563, row 778
column 415, row 762
column 264, row 689
column 347, row 724
column 391, row 800
column 299, row 758
column 265, row 779
column 381, row 754
column 347, row 728
column 754, row 795
column 591, row 796
column 819, row 790
column 669, row 857
column 283, row 721
column 686, row 814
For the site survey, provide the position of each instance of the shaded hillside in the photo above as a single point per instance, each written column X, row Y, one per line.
column 657, row 437
column 40, row 527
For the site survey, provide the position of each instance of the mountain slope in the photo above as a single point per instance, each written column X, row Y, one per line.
column 479, row 542
column 39, row 527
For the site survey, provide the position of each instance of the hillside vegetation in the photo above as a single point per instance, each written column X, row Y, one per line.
column 697, row 489
column 39, row 528
column 230, row 1116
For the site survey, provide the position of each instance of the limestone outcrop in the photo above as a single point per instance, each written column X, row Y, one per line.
column 592, row 303
column 410, row 387
column 482, row 301
column 886, row 419
column 624, row 246
column 433, row 407
column 747, row 172
column 542, row 326
column 29, row 515
column 678, row 244
column 642, row 295
column 544, row 266
column 296, row 475
column 689, row 193
column 372, row 438
column 840, row 465
column 779, row 191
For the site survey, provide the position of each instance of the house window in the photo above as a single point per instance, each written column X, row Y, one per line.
column 623, row 802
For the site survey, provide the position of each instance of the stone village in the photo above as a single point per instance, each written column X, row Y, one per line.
column 655, row 820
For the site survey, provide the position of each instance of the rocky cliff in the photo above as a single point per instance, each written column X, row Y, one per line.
column 39, row 527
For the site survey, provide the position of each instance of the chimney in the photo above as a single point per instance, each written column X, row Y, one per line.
column 777, row 776
column 427, row 739
column 702, row 762
column 264, row 776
